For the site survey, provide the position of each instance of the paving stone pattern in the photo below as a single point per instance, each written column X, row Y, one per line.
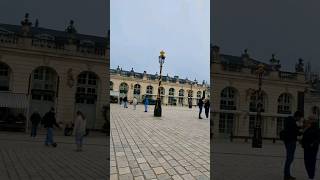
column 237, row 160
column 24, row 158
column 175, row 146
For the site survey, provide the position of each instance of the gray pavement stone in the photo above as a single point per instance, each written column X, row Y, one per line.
column 161, row 148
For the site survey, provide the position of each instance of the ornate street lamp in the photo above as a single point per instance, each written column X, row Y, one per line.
column 257, row 137
column 157, row 108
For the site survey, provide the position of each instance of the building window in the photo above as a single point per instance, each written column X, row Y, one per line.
column 285, row 104
column 136, row 89
column 199, row 94
column 228, row 99
column 87, row 88
column 253, row 103
column 252, row 124
column 190, row 93
column 149, row 89
column 44, row 84
column 171, row 92
column 111, row 86
column 4, row 77
column 123, row 89
column 226, row 123
column 162, row 91
column 181, row 92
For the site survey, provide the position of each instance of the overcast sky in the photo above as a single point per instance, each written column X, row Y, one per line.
column 288, row 28
column 140, row 29
column 90, row 17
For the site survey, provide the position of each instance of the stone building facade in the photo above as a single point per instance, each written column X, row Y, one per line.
column 174, row 91
column 234, row 82
column 42, row 68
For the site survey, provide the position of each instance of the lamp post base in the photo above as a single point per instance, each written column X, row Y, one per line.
column 157, row 109
column 257, row 138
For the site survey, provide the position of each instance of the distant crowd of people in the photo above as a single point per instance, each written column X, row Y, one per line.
column 310, row 142
column 77, row 127
column 202, row 103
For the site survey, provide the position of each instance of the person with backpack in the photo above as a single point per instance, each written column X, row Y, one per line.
column 310, row 144
column 79, row 130
column 289, row 135
column 49, row 121
column 200, row 104
column 35, row 119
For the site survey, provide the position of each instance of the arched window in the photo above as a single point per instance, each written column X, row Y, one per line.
column 181, row 92
column 136, row 89
column 111, row 85
column 171, row 92
column 149, row 89
column 254, row 100
column 162, row 91
column 123, row 89
column 87, row 88
column 285, row 104
column 190, row 93
column 228, row 99
column 199, row 93
column 4, row 77
column 44, row 84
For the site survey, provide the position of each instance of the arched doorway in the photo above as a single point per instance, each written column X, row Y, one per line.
column 181, row 96
column 44, row 83
column 162, row 94
column 285, row 103
column 86, row 96
column 171, row 99
column 228, row 101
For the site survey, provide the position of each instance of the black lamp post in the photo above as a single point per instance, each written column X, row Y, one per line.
column 157, row 108
column 257, row 137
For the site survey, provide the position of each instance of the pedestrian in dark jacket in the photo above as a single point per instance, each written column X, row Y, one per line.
column 310, row 143
column 291, row 133
column 207, row 107
column 200, row 104
column 49, row 120
column 125, row 101
column 35, row 120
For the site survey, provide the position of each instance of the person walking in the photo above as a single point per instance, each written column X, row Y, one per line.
column 125, row 102
column 50, row 121
column 207, row 107
column 134, row 102
column 35, row 120
column 120, row 99
column 80, row 124
column 310, row 144
column 200, row 104
column 146, row 103
column 290, row 135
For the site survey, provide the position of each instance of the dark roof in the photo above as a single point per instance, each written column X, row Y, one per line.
column 150, row 76
column 59, row 35
column 239, row 61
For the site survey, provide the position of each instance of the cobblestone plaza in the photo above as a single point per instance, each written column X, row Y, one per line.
column 238, row 160
column 175, row 146
column 23, row 158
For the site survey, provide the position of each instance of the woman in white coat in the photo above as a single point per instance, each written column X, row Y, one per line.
column 79, row 129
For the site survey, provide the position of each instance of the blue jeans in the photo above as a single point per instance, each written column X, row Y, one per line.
column 145, row 108
column 49, row 139
column 125, row 104
column 34, row 130
column 310, row 159
column 79, row 139
column 290, row 150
